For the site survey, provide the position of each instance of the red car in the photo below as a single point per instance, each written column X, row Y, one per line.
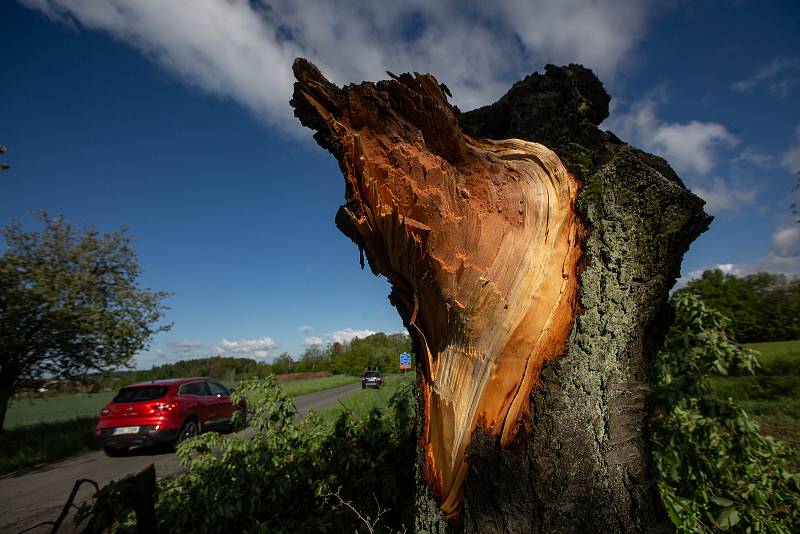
column 163, row 411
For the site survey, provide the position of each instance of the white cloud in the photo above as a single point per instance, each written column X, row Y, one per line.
column 185, row 347
column 243, row 50
column 305, row 328
column 693, row 148
column 755, row 157
column 725, row 267
column 779, row 76
column 783, row 257
column 348, row 334
column 786, row 241
column 312, row 340
column 791, row 158
column 721, row 196
column 257, row 348
column 689, row 147
column 771, row 263
column 598, row 34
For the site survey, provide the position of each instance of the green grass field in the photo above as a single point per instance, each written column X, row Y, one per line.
column 26, row 412
column 362, row 401
column 772, row 396
column 73, row 418
column 295, row 388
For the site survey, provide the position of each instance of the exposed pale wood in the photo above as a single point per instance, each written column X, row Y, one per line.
column 480, row 240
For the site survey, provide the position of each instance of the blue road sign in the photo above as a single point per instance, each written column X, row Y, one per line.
column 405, row 361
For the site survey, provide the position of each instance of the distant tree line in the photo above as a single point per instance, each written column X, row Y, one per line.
column 378, row 350
column 761, row 307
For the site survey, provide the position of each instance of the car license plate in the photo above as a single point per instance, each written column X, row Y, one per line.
column 126, row 430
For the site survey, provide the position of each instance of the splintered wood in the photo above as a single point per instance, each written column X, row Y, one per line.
column 479, row 238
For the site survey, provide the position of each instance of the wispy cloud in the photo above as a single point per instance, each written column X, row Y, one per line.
column 786, row 241
column 243, row 49
column 305, row 328
column 721, row 196
column 312, row 340
column 779, row 76
column 690, row 147
column 255, row 348
column 693, row 148
column 754, row 156
column 185, row 348
column 347, row 335
column 791, row 158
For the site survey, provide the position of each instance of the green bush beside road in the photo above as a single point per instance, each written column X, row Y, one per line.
column 32, row 423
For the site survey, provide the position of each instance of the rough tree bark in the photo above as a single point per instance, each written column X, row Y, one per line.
column 530, row 256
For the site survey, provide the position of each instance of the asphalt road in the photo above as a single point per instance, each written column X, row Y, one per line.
column 38, row 495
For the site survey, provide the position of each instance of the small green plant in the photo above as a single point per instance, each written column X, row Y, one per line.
column 282, row 478
column 715, row 471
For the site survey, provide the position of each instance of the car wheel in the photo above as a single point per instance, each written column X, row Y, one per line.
column 363, row 386
column 188, row 430
column 115, row 452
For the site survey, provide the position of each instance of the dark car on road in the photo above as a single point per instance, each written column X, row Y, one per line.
column 163, row 411
column 372, row 379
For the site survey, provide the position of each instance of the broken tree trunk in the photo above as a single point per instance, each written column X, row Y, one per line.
column 533, row 279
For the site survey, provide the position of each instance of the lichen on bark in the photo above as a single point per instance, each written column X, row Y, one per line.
column 584, row 466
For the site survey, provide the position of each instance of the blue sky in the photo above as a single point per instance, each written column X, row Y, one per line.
column 173, row 119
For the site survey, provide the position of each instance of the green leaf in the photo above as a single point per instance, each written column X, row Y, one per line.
column 727, row 518
column 722, row 501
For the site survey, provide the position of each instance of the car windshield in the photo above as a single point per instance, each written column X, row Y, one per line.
column 141, row 394
column 372, row 374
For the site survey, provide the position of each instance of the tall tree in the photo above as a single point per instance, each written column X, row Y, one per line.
column 761, row 306
column 283, row 364
column 533, row 279
column 70, row 303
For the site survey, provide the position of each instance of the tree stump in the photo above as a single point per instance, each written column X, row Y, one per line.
column 530, row 257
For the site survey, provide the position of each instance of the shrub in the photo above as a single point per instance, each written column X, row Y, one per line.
column 715, row 470
column 283, row 478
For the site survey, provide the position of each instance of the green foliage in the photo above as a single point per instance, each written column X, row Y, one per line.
column 283, row 364
column 69, row 303
column 222, row 368
column 772, row 396
column 377, row 350
column 716, row 472
column 281, row 478
column 761, row 307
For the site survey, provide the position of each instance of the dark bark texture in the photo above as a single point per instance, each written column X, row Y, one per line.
column 584, row 464
column 580, row 460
